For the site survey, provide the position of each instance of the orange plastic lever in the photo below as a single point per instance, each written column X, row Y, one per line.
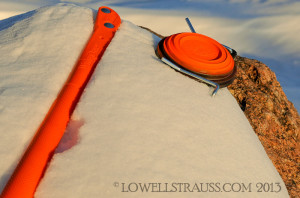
column 31, row 167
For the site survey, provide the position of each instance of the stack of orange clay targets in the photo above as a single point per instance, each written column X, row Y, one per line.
column 200, row 57
column 31, row 167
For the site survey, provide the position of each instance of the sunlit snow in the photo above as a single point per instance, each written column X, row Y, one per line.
column 138, row 120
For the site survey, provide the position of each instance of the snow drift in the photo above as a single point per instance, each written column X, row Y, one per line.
column 138, row 120
column 259, row 29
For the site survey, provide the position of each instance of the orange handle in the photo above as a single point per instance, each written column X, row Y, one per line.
column 31, row 167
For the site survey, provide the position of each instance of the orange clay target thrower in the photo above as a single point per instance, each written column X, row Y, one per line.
column 200, row 57
column 32, row 166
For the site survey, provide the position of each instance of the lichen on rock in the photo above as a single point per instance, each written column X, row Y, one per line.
column 272, row 116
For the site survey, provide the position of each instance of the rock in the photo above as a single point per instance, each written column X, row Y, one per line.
column 273, row 118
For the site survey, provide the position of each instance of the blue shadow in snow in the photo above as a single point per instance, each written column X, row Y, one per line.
column 217, row 8
column 6, row 23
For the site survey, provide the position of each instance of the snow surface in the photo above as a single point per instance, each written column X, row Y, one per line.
column 38, row 51
column 261, row 29
column 138, row 120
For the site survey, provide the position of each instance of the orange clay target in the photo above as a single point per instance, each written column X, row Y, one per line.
column 199, row 54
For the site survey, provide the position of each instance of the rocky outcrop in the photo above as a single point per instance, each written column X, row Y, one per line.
column 273, row 118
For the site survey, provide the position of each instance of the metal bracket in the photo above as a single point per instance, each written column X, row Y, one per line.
column 180, row 69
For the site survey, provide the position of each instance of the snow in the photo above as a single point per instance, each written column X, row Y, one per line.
column 138, row 120
column 259, row 29
column 38, row 51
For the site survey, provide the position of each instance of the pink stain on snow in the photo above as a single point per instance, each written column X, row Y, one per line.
column 70, row 137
